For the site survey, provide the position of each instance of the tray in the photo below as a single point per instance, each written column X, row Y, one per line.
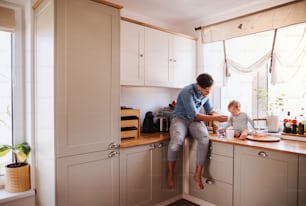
column 264, row 139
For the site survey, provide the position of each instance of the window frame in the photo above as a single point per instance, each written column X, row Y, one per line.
column 18, row 76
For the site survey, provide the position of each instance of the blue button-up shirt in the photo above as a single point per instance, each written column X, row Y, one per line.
column 189, row 102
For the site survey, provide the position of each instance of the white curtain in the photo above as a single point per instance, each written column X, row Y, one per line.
column 249, row 54
column 289, row 54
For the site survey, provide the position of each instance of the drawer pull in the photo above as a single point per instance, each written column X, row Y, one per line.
column 209, row 182
column 152, row 146
column 113, row 145
column 160, row 145
column 262, row 154
column 113, row 154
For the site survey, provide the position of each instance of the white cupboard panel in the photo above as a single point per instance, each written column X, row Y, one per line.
column 90, row 179
column 87, row 75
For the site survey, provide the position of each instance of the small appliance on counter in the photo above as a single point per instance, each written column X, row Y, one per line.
column 163, row 119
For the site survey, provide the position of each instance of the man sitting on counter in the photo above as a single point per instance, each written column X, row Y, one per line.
column 187, row 119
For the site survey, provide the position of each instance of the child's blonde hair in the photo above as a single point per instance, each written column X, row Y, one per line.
column 234, row 103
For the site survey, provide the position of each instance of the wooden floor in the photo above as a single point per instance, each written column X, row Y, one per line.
column 183, row 202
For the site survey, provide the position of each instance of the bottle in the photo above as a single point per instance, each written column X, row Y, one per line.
column 301, row 128
column 294, row 126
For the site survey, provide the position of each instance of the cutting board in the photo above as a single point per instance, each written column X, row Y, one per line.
column 264, row 139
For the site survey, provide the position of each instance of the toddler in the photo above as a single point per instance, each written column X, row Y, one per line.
column 238, row 120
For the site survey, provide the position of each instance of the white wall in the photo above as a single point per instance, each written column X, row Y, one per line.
column 147, row 98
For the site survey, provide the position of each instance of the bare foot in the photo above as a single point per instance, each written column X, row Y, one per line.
column 198, row 181
column 170, row 182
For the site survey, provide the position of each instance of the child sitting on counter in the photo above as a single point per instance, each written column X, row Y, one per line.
column 238, row 120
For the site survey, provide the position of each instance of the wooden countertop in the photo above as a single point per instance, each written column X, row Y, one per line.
column 288, row 146
column 145, row 138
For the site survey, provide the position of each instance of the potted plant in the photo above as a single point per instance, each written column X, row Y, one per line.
column 17, row 174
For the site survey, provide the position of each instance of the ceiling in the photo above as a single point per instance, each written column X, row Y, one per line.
column 182, row 12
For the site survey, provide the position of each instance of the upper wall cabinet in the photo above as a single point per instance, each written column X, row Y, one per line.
column 132, row 54
column 150, row 57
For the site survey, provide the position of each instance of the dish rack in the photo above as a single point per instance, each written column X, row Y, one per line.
column 130, row 123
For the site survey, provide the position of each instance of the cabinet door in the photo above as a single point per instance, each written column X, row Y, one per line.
column 160, row 166
column 136, row 175
column 88, row 179
column 264, row 178
column 132, row 54
column 184, row 58
column 157, row 60
column 302, row 180
column 218, row 173
column 87, row 87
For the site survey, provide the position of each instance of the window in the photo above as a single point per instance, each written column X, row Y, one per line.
column 291, row 49
column 12, row 78
column 6, row 131
column 248, row 69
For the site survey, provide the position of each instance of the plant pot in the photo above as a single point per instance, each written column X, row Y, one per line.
column 273, row 123
column 17, row 177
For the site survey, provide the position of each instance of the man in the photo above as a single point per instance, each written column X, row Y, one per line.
column 187, row 119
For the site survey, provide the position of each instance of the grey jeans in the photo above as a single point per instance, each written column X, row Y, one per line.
column 178, row 131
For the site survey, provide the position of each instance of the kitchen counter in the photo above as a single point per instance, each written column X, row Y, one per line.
column 288, row 146
column 145, row 138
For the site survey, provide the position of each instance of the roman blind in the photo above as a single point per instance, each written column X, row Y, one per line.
column 270, row 19
column 7, row 19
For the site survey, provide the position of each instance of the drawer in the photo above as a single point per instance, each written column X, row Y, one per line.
column 129, row 123
column 220, row 167
column 129, row 134
column 129, row 112
column 217, row 193
column 222, row 149
column 216, row 147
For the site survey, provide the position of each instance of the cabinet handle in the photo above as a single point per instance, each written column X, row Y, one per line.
column 174, row 60
column 113, row 154
column 209, row 182
column 113, row 145
column 152, row 146
column 263, row 154
column 141, row 55
column 160, row 145
column 170, row 60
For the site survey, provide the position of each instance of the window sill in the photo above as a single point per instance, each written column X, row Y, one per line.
column 9, row 196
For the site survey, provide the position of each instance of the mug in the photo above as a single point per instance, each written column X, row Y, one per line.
column 229, row 133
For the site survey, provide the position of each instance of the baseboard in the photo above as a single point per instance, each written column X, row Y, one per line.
column 196, row 200
column 169, row 201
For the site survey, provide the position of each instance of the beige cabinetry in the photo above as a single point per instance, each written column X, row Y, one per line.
column 218, row 175
column 264, row 177
column 77, row 102
column 151, row 57
column 302, row 180
column 132, row 54
column 170, row 59
column 143, row 175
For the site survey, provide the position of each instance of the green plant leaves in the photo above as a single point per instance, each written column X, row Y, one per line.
column 21, row 151
column 4, row 149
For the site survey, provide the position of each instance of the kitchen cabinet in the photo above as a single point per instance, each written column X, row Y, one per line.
column 302, row 180
column 170, row 59
column 143, row 179
column 218, row 175
column 77, row 109
column 264, row 177
column 132, row 54
column 151, row 57
column 88, row 179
